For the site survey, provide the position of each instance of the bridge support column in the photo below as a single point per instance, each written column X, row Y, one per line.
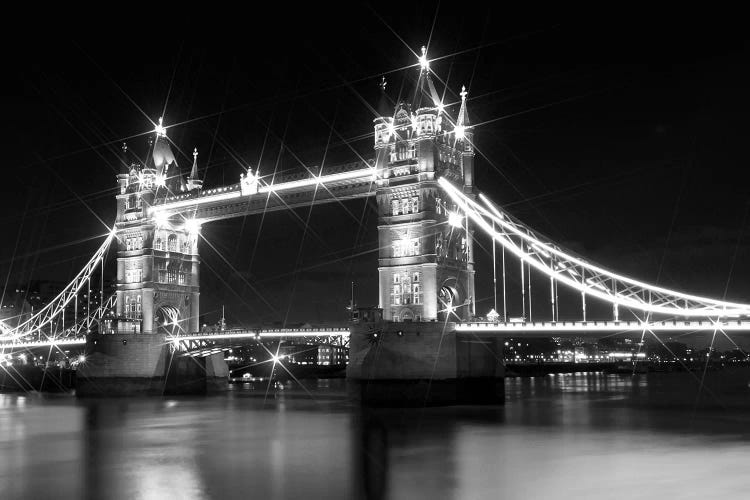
column 127, row 365
column 418, row 363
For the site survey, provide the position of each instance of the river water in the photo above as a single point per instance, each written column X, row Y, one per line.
column 560, row 436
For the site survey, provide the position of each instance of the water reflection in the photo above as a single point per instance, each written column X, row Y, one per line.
column 566, row 436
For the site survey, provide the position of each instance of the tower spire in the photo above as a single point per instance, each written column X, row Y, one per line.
column 161, row 130
column 193, row 181
column 425, row 87
column 385, row 108
column 463, row 115
column 125, row 159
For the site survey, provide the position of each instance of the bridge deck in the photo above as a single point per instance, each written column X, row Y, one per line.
column 550, row 328
column 336, row 184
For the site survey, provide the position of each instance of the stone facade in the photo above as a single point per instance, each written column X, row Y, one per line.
column 157, row 257
column 426, row 268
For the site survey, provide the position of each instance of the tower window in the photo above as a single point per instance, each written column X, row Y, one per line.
column 172, row 243
column 406, row 248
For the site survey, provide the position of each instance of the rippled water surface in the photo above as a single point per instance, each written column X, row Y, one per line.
column 565, row 436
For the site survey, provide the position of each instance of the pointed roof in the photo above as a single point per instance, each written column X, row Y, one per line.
column 385, row 106
column 194, row 170
column 463, row 113
column 425, row 95
column 162, row 159
column 125, row 159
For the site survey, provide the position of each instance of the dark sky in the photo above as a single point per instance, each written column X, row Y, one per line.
column 623, row 139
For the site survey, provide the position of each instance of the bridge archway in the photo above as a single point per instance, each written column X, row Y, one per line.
column 448, row 300
column 168, row 320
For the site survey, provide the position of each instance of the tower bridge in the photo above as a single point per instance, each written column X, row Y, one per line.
column 429, row 210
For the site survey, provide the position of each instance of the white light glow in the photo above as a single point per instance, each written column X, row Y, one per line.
column 460, row 131
column 424, row 64
column 81, row 359
column 160, row 129
column 161, row 219
column 193, row 227
column 455, row 219
column 160, row 180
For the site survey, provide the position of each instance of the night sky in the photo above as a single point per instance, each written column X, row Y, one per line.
column 623, row 140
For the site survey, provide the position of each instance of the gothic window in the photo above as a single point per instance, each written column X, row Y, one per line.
column 414, row 204
column 127, row 307
column 140, row 242
column 405, row 206
column 406, row 248
column 415, row 278
column 438, row 208
column 397, row 278
column 128, row 244
column 138, row 202
column 158, row 244
column 161, row 271
column 133, row 275
column 394, row 207
column 402, row 151
column 413, row 151
column 172, row 243
column 417, row 291
column 181, row 278
column 138, row 305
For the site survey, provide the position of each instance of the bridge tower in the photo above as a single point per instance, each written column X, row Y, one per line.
column 426, row 269
column 157, row 257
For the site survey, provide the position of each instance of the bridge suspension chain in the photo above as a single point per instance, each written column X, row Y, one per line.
column 56, row 307
column 579, row 274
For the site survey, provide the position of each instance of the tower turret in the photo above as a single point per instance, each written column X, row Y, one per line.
column 124, row 175
column 193, row 181
column 465, row 139
column 384, row 130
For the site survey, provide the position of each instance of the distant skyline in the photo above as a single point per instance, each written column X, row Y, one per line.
column 622, row 141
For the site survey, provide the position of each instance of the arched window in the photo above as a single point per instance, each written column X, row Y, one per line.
column 172, row 243
column 158, row 244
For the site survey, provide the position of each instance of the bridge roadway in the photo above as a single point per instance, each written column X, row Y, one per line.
column 578, row 328
column 340, row 335
column 334, row 184
column 334, row 335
